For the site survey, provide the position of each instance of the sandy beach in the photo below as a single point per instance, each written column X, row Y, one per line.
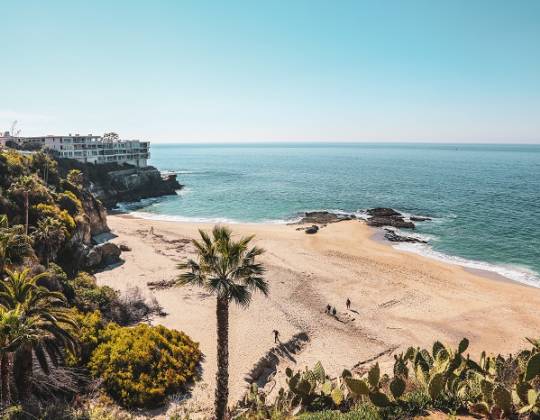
column 398, row 299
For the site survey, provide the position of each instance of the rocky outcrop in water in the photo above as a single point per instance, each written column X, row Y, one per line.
column 393, row 236
column 382, row 216
column 324, row 217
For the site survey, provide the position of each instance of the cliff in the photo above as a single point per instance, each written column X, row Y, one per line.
column 113, row 183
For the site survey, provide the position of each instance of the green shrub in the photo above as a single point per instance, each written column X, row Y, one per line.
column 43, row 211
column 88, row 296
column 69, row 202
column 89, row 336
column 140, row 365
column 363, row 412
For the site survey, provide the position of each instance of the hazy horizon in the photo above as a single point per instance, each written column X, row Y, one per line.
column 302, row 72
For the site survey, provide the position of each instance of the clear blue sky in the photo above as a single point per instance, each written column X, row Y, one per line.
column 201, row 71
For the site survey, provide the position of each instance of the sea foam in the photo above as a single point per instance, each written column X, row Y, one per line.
column 512, row 272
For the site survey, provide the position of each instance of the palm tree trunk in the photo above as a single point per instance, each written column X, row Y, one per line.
column 22, row 369
column 222, row 375
column 4, row 374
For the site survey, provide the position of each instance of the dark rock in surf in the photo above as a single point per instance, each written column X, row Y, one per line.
column 392, row 236
column 382, row 216
column 382, row 212
column 395, row 221
column 324, row 217
column 419, row 218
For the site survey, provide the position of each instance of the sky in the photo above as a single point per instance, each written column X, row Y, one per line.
column 264, row 71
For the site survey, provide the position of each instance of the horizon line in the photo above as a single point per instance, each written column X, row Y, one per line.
column 345, row 142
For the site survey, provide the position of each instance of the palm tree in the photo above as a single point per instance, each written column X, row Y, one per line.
column 43, row 327
column 24, row 185
column 228, row 270
column 8, row 322
column 49, row 235
column 14, row 244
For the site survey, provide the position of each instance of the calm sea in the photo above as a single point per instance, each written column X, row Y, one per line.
column 484, row 199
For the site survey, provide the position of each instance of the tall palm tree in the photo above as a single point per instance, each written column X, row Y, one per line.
column 24, row 185
column 228, row 270
column 43, row 330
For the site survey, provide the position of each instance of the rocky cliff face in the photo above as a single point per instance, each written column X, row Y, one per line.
column 93, row 222
column 129, row 185
column 112, row 183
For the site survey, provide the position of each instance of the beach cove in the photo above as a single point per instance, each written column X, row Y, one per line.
column 398, row 299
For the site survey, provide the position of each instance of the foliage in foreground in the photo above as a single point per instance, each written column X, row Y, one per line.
column 139, row 366
column 442, row 379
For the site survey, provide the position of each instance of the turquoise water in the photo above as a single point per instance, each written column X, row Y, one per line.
column 485, row 199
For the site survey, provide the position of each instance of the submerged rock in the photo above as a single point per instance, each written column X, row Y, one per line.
column 420, row 218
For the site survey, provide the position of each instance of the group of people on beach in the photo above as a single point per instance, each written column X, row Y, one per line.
column 331, row 310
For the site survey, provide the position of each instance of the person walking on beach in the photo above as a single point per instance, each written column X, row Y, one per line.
column 348, row 303
column 276, row 336
column 328, row 308
column 334, row 311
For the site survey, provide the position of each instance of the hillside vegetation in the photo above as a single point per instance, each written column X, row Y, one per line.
column 62, row 337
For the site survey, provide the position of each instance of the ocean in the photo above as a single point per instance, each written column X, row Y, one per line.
column 484, row 199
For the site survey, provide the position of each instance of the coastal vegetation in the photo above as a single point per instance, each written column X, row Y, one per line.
column 422, row 381
column 227, row 269
column 139, row 366
column 62, row 336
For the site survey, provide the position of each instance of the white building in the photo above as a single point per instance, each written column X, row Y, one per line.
column 91, row 149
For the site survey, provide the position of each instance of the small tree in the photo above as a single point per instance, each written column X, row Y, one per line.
column 24, row 185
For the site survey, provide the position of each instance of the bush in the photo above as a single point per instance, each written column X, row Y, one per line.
column 140, row 365
column 363, row 412
column 90, row 297
column 89, row 336
column 132, row 307
column 69, row 202
column 43, row 211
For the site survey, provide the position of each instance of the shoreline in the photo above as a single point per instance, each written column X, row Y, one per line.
column 399, row 299
column 378, row 236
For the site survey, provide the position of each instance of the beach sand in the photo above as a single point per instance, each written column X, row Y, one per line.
column 398, row 299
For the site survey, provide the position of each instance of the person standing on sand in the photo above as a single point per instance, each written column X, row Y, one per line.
column 334, row 311
column 276, row 336
column 348, row 303
column 328, row 308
